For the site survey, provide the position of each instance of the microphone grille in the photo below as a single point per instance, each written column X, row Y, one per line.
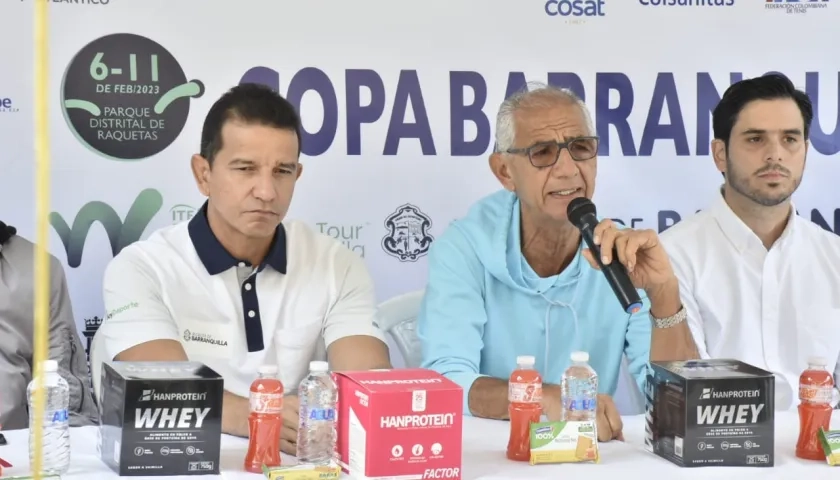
column 579, row 208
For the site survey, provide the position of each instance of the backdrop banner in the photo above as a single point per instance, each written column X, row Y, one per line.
column 398, row 102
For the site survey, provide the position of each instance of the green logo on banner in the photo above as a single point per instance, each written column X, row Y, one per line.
column 120, row 233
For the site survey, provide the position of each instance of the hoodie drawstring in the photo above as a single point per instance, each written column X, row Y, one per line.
column 552, row 303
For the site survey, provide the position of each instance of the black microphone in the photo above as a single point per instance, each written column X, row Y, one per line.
column 581, row 212
column 6, row 232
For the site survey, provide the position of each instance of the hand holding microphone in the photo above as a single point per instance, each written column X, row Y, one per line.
column 642, row 261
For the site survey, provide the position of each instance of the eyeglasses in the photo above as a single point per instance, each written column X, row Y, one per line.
column 546, row 154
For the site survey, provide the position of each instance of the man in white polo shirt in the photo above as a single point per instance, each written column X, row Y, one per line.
column 237, row 287
column 759, row 282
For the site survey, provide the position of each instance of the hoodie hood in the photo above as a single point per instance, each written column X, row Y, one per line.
column 493, row 228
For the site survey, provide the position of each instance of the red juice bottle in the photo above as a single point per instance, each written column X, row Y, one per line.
column 816, row 393
column 265, row 420
column 524, row 397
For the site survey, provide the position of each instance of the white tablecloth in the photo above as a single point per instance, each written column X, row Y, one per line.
column 484, row 457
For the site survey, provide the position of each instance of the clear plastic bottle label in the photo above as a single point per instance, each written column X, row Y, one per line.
column 524, row 392
column 815, row 393
column 266, row 403
column 60, row 416
column 322, row 414
column 580, row 404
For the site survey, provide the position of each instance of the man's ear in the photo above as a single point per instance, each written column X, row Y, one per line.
column 201, row 172
column 719, row 155
column 502, row 170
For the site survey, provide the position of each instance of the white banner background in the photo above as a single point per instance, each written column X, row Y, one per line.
column 218, row 42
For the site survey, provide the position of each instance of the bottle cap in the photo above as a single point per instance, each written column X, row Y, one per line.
column 526, row 360
column 267, row 369
column 580, row 356
column 50, row 366
column 319, row 366
column 818, row 361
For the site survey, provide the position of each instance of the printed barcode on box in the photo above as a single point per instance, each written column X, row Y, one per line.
column 678, row 446
column 418, row 401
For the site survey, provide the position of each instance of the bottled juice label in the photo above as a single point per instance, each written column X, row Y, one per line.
column 524, row 392
column 266, row 403
column 815, row 393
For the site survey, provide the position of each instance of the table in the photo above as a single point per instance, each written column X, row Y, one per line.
column 484, row 457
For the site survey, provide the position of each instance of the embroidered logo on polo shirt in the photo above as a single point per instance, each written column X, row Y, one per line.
column 204, row 338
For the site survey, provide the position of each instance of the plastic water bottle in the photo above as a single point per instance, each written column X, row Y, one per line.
column 318, row 396
column 55, row 424
column 579, row 390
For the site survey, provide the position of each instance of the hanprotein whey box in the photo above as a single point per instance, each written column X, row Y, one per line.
column 161, row 418
column 710, row 412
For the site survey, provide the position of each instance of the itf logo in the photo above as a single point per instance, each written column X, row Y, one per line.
column 575, row 8
column 795, row 6
column 182, row 213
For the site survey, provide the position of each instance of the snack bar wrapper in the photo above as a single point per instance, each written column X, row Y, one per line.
column 830, row 441
column 564, row 442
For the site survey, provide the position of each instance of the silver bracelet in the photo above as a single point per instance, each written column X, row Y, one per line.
column 671, row 321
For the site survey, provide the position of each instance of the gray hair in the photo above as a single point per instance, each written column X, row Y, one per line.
column 535, row 94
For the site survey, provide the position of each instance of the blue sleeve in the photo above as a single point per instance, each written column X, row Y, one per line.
column 637, row 345
column 450, row 324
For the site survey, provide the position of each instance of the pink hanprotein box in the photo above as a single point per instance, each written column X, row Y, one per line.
column 403, row 423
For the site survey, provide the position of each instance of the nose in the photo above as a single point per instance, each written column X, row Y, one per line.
column 565, row 166
column 265, row 189
column 775, row 151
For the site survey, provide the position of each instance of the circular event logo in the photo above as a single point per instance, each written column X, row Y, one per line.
column 126, row 97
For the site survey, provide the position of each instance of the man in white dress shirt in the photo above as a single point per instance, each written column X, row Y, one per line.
column 238, row 286
column 760, row 283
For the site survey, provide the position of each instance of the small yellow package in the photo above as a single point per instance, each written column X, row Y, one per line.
column 564, row 442
column 303, row 472
column 830, row 441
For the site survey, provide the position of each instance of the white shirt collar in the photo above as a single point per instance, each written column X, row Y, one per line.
column 739, row 234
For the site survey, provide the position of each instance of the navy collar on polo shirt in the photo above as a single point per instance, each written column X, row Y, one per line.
column 214, row 256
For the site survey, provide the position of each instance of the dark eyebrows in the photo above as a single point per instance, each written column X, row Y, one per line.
column 241, row 162
column 758, row 131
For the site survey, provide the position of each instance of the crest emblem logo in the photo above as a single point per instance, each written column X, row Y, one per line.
column 408, row 235
column 187, row 335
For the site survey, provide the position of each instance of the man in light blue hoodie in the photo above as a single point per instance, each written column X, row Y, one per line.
column 513, row 277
